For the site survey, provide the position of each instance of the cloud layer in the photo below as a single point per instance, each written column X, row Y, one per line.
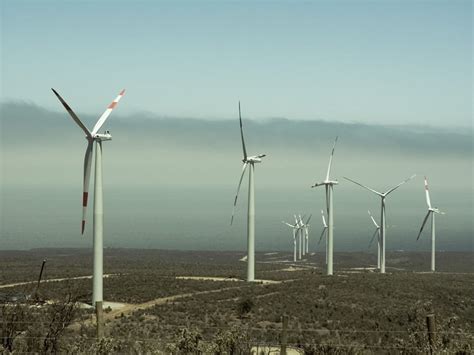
column 169, row 182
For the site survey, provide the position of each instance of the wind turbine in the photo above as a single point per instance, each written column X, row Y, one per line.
column 300, row 231
column 248, row 162
column 376, row 233
column 98, row 216
column 328, row 184
column 302, row 240
column 432, row 211
column 382, row 215
column 305, row 229
column 295, row 228
column 324, row 233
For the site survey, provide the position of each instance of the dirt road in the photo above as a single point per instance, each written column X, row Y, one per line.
column 53, row 280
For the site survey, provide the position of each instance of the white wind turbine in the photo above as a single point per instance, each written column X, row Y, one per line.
column 248, row 162
column 376, row 233
column 295, row 228
column 298, row 222
column 328, row 184
column 305, row 230
column 432, row 211
column 302, row 242
column 324, row 233
column 98, row 215
column 382, row 216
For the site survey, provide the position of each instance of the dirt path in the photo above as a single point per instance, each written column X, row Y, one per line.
column 208, row 278
column 130, row 308
column 53, row 280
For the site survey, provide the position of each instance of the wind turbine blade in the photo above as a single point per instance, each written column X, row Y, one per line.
column 73, row 115
column 301, row 220
column 423, row 225
column 373, row 237
column 308, row 218
column 400, row 184
column 427, row 192
column 87, row 176
column 330, row 159
column 365, row 187
column 373, row 220
column 106, row 113
column 242, row 135
column 237, row 193
column 289, row 225
column 322, row 235
column 324, row 220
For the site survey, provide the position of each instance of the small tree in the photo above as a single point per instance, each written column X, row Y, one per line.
column 187, row 343
column 231, row 341
column 245, row 306
column 60, row 316
column 13, row 323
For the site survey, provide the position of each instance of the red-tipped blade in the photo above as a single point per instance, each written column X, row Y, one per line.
column 87, row 175
column 107, row 112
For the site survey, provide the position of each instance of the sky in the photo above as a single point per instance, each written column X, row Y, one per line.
column 383, row 62
column 170, row 183
column 392, row 79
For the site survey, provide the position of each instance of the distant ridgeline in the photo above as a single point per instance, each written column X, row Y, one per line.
column 35, row 123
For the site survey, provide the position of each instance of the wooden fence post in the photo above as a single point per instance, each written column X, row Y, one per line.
column 99, row 316
column 284, row 334
column 431, row 325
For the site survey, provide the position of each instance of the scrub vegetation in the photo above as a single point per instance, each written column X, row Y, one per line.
column 355, row 311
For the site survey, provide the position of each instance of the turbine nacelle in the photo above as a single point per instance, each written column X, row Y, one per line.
column 106, row 136
column 254, row 159
column 326, row 182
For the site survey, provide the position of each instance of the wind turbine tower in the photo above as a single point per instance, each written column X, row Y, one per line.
column 300, row 237
column 302, row 233
column 382, row 196
column 94, row 138
column 305, row 227
column 249, row 161
column 295, row 228
column 431, row 211
column 328, row 184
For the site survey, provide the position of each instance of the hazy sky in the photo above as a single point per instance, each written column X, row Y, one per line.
column 397, row 67
column 366, row 61
column 170, row 183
